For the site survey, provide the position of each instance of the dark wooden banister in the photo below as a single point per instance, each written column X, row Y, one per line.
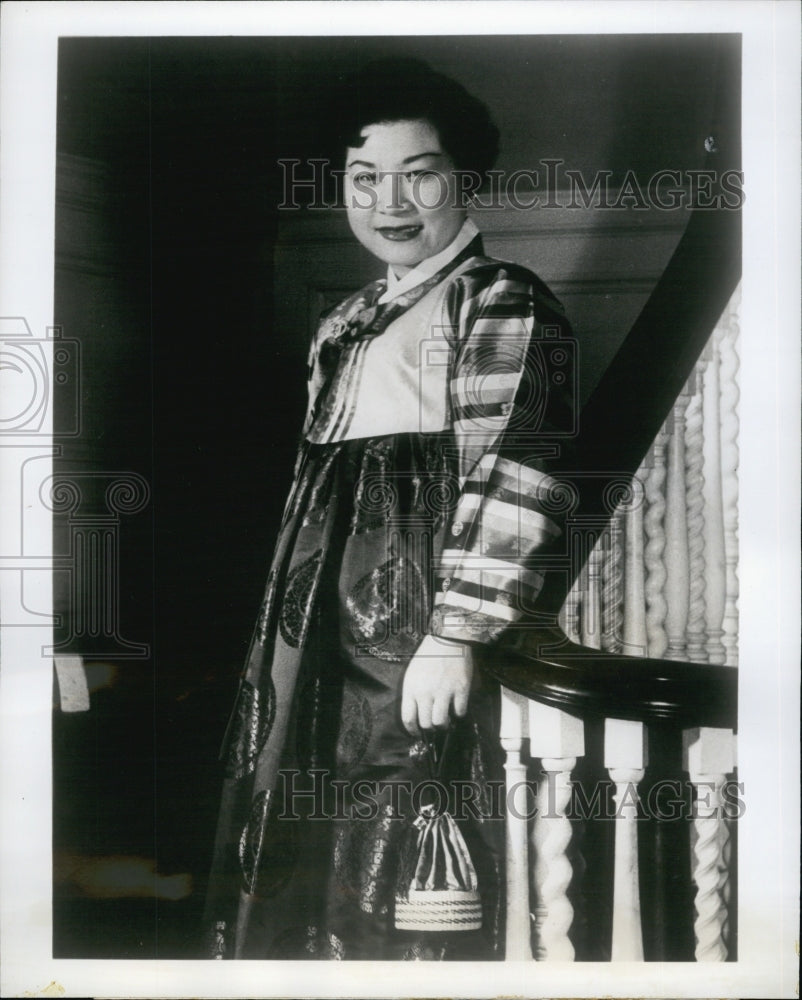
column 617, row 426
column 591, row 683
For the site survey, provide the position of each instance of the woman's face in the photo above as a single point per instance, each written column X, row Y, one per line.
column 401, row 193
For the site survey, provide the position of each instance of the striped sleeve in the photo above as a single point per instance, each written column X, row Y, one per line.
column 510, row 408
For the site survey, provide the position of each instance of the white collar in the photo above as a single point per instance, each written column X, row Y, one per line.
column 430, row 266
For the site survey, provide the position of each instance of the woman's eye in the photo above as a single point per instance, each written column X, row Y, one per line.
column 416, row 174
column 364, row 177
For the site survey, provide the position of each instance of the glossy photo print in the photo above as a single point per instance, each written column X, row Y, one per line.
column 393, row 454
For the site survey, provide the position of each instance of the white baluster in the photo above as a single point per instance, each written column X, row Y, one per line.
column 724, row 883
column 569, row 614
column 558, row 739
column 724, row 877
column 612, row 579
column 729, row 475
column 625, row 759
column 635, row 641
column 591, row 603
column 715, row 567
column 513, row 731
column 709, row 757
column 656, row 539
column 676, row 552
column 694, row 480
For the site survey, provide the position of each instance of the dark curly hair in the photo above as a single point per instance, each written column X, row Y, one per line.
column 396, row 89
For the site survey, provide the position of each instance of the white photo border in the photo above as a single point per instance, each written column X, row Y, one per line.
column 769, row 505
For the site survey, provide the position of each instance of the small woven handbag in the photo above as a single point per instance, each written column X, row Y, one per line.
column 443, row 894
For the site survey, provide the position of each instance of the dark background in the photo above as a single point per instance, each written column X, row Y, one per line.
column 166, row 216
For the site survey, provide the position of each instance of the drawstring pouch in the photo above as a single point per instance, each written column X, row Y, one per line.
column 443, row 894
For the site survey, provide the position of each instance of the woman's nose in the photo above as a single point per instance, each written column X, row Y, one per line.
column 392, row 197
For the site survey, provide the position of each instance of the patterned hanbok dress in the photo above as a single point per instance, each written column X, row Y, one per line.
column 420, row 504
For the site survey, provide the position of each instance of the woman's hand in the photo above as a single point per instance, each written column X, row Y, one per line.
column 437, row 679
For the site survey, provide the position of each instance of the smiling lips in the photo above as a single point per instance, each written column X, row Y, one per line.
column 399, row 233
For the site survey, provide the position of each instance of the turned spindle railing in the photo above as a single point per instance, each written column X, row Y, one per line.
column 641, row 656
column 662, row 576
column 661, row 580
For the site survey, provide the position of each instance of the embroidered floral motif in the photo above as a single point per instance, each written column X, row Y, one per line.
column 268, row 849
column 297, row 607
column 357, row 723
column 473, row 626
column 387, row 603
column 335, row 948
column 365, row 860
column 251, row 724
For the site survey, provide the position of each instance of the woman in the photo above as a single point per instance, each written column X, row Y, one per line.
column 409, row 542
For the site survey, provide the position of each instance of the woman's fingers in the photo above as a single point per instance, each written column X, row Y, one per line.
column 409, row 712
column 416, row 705
column 435, row 712
column 461, row 699
column 441, row 708
column 434, row 685
column 425, row 712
